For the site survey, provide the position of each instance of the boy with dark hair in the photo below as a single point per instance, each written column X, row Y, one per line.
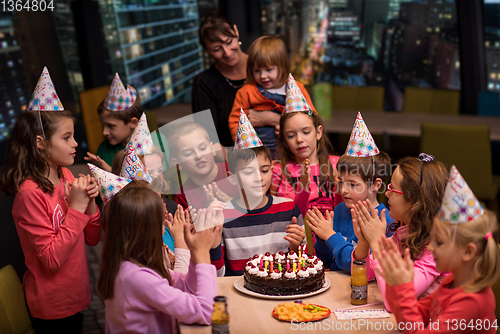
column 254, row 222
column 361, row 171
column 119, row 114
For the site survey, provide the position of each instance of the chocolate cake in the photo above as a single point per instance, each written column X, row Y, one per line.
column 274, row 275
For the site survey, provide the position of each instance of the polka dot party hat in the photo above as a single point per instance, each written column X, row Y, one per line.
column 295, row 100
column 133, row 168
column 246, row 137
column 361, row 143
column 459, row 204
column 44, row 97
column 108, row 183
column 141, row 140
column 119, row 98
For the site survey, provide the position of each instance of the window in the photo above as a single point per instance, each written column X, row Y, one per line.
column 491, row 21
column 393, row 44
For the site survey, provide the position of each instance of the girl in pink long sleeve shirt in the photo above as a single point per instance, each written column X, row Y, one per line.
column 301, row 140
column 141, row 296
column 414, row 196
column 55, row 215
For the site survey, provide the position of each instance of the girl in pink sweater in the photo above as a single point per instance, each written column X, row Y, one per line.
column 301, row 140
column 141, row 296
column 55, row 215
column 462, row 243
column 414, row 196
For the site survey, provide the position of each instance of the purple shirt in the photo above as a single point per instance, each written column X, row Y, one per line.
column 144, row 302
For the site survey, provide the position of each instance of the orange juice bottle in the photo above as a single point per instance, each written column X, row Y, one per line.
column 220, row 317
column 359, row 283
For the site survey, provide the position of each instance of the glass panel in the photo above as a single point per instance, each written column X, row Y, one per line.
column 393, row 44
column 491, row 20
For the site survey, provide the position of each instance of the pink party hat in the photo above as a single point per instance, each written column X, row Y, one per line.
column 109, row 184
column 361, row 143
column 295, row 100
column 133, row 168
column 44, row 97
column 118, row 97
column 141, row 140
column 459, row 204
column 246, row 137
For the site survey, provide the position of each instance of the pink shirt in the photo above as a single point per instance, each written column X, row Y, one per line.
column 321, row 195
column 53, row 238
column 144, row 302
column 426, row 278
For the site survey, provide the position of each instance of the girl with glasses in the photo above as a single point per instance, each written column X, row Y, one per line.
column 414, row 196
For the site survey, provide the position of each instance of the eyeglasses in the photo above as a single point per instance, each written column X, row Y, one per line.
column 389, row 188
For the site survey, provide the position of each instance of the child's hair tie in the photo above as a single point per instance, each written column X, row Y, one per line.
column 488, row 235
column 424, row 157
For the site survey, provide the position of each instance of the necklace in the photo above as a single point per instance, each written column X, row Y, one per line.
column 231, row 84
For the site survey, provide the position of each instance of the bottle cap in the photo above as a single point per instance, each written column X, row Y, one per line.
column 221, row 299
column 359, row 262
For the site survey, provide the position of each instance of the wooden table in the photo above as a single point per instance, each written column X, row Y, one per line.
column 386, row 123
column 253, row 315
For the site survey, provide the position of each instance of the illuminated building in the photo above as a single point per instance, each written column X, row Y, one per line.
column 154, row 46
column 14, row 90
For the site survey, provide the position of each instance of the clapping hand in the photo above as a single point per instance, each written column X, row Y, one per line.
column 96, row 160
column 305, row 174
column 176, row 226
column 395, row 269
column 201, row 241
column 322, row 227
column 76, row 193
column 295, row 236
column 212, row 191
column 372, row 227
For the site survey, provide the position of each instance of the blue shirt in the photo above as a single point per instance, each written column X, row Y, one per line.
column 168, row 240
column 336, row 252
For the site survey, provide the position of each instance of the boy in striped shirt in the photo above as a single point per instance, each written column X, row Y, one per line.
column 255, row 222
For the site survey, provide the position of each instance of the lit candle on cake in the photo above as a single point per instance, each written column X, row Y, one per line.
column 287, row 264
column 279, row 266
column 267, row 263
column 295, row 266
column 260, row 263
column 271, row 267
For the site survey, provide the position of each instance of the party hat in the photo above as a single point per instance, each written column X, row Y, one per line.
column 361, row 143
column 459, row 204
column 141, row 140
column 295, row 100
column 109, row 184
column 44, row 97
column 119, row 97
column 246, row 137
column 133, row 168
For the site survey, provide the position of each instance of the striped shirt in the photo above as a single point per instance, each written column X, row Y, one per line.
column 253, row 232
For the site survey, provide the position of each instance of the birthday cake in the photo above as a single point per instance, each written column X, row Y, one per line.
column 284, row 274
